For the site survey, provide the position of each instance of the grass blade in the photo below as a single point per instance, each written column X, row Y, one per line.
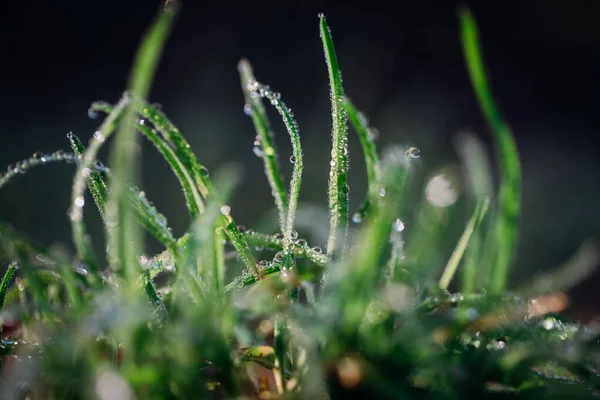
column 80, row 240
column 123, row 235
column 506, row 222
column 296, row 159
column 147, row 215
column 338, row 188
column 369, row 152
column 459, row 250
column 267, row 150
column 183, row 152
column 6, row 281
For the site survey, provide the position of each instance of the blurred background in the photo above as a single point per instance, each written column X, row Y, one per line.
column 402, row 66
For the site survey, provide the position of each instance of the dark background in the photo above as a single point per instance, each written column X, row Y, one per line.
column 402, row 66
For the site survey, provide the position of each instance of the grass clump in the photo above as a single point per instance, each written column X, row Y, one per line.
column 367, row 317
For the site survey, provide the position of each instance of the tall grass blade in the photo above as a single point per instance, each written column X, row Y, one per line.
column 508, row 209
column 147, row 215
column 6, row 281
column 369, row 151
column 459, row 250
column 124, row 236
column 338, row 188
column 200, row 174
column 265, row 148
column 297, row 159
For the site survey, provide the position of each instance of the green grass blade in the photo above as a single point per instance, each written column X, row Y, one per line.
column 193, row 200
column 369, row 152
column 6, row 281
column 267, row 150
column 22, row 167
column 147, row 215
column 296, row 159
column 508, row 210
column 124, row 236
column 80, row 240
column 463, row 242
column 349, row 290
column 338, row 188
column 95, row 183
column 201, row 177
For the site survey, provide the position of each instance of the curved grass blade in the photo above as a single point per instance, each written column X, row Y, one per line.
column 200, row 174
column 369, row 152
column 147, row 215
column 80, row 239
column 124, row 236
column 6, row 281
column 472, row 225
column 192, row 196
column 296, row 159
column 39, row 159
column 506, row 223
column 338, row 188
column 267, row 150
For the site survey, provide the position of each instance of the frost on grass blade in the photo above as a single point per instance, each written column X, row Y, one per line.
column 124, row 236
column 338, row 188
column 364, row 133
column 264, row 144
column 472, row 225
column 508, row 208
column 296, row 159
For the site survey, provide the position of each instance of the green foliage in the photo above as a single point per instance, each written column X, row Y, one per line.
column 377, row 322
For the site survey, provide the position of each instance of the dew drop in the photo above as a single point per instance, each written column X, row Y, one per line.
column 373, row 134
column 294, row 235
column 37, row 155
column 79, row 201
column 413, row 152
column 99, row 136
column 269, row 151
column 263, row 263
column 293, row 159
column 247, row 109
column 321, row 15
column 225, row 209
column 143, row 260
column 356, row 218
column 258, row 151
column 170, row 267
column 398, row 225
column 317, row 249
column 279, row 235
column 241, row 228
column 382, row 192
column 92, row 113
column 301, row 242
column 278, row 257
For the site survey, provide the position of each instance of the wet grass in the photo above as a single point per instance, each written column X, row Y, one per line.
column 370, row 316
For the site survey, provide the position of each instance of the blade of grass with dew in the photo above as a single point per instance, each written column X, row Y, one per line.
column 10, row 271
column 147, row 215
column 459, row 250
column 369, row 152
column 313, row 254
column 506, row 224
column 207, row 240
column 338, row 188
column 80, row 238
column 192, row 196
column 349, row 290
column 267, row 150
column 201, row 176
column 297, row 159
column 124, row 236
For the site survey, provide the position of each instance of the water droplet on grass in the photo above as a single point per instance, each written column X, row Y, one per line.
column 248, row 109
column 373, row 134
column 258, row 151
column 293, row 159
column 356, row 218
column 413, row 152
column 99, row 136
column 225, row 209
column 398, row 225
